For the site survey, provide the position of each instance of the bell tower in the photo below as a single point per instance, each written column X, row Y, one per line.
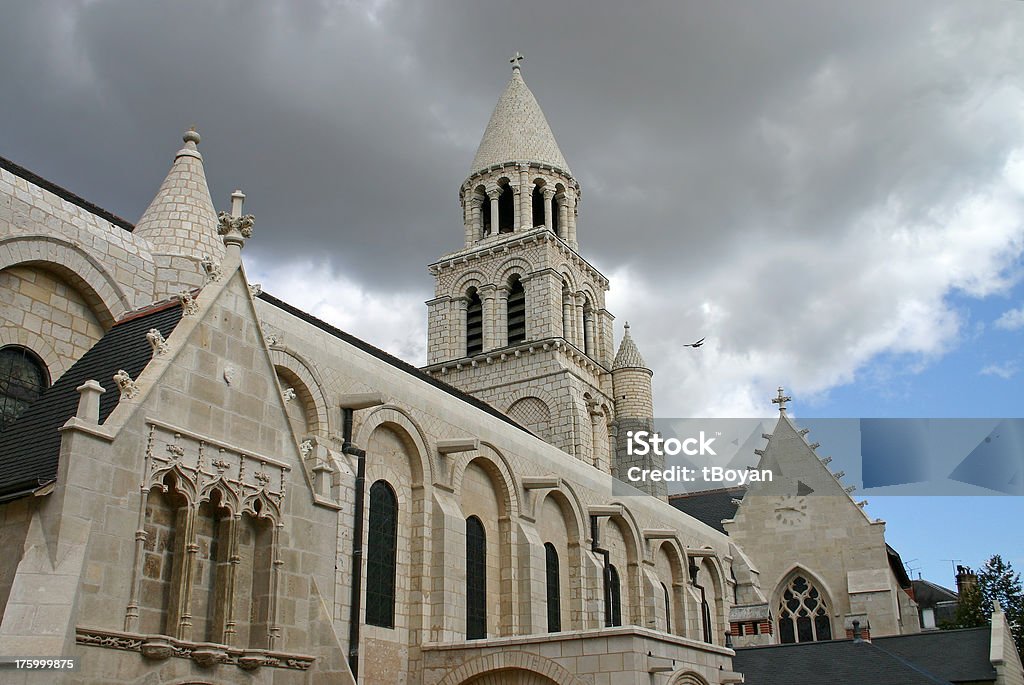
column 518, row 317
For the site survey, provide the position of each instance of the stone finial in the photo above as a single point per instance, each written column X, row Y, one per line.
column 516, row 59
column 781, row 400
column 89, row 401
column 129, row 388
column 157, row 342
column 191, row 136
column 234, row 227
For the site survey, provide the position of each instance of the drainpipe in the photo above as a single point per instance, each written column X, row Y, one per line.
column 348, row 405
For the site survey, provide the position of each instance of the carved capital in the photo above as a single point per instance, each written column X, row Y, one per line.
column 228, row 224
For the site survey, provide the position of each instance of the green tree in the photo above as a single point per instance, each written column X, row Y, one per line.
column 971, row 611
column 999, row 582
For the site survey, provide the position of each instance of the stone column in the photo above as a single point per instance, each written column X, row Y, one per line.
column 458, row 339
column 501, row 320
column 563, row 216
column 548, row 194
column 578, row 320
column 487, row 300
column 467, row 217
column 525, row 199
column 572, row 208
column 589, row 338
column 567, row 318
column 516, row 208
column 476, row 216
column 493, row 194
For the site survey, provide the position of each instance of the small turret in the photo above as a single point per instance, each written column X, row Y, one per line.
column 634, row 410
column 181, row 221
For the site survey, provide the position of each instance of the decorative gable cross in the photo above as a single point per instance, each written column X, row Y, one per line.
column 516, row 59
column 781, row 401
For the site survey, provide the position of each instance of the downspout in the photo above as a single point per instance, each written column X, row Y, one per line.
column 595, row 546
column 357, row 541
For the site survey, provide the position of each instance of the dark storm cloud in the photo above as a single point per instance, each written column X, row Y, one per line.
column 702, row 133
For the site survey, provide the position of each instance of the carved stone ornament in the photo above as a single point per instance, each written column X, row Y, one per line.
column 255, row 289
column 188, row 303
column 288, row 394
column 212, row 268
column 229, row 374
column 306, row 447
column 157, row 342
column 243, row 224
column 128, row 388
column 272, row 335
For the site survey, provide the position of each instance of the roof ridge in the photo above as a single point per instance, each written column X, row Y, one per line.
column 65, row 194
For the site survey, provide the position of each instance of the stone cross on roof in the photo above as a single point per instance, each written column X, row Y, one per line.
column 516, row 59
column 781, row 401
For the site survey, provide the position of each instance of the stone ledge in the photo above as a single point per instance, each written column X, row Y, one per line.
column 159, row 647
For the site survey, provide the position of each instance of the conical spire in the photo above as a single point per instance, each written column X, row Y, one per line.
column 518, row 130
column 628, row 356
column 181, row 220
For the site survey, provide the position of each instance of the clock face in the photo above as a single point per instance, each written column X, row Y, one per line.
column 791, row 510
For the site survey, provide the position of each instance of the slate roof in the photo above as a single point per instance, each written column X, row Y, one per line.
column 927, row 594
column 30, row 447
column 387, row 358
column 709, row 506
column 64, row 194
column 959, row 656
column 518, row 131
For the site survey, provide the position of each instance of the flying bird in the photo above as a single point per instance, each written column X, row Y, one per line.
column 695, row 344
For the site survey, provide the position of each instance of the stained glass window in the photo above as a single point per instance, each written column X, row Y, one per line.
column 23, row 378
column 803, row 613
column 381, row 556
column 476, row 579
column 554, row 592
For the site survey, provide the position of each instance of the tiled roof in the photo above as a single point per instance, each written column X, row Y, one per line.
column 30, row 447
column 387, row 358
column 709, row 506
column 64, row 194
column 518, row 131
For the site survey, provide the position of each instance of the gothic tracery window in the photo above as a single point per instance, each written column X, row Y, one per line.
column 476, row 579
column 23, row 378
column 554, row 595
column 381, row 560
column 803, row 613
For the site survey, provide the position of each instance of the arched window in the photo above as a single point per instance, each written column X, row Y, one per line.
column 381, row 558
column 554, row 592
column 485, row 215
column 803, row 613
column 23, row 378
column 476, row 579
column 668, row 608
column 474, row 323
column 516, row 311
column 615, row 594
column 506, row 210
column 537, row 203
column 555, row 228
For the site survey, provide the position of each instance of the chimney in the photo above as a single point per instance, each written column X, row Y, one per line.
column 965, row 579
column 856, row 632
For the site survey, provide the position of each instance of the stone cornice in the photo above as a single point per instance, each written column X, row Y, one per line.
column 514, row 167
column 512, row 352
column 504, row 244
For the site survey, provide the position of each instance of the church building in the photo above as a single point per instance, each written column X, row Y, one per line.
column 202, row 483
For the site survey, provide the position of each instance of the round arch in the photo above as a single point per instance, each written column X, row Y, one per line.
column 688, row 678
column 510, row 267
column 504, row 663
column 69, row 261
column 466, row 281
column 397, row 419
column 38, row 345
column 495, row 465
column 285, row 358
